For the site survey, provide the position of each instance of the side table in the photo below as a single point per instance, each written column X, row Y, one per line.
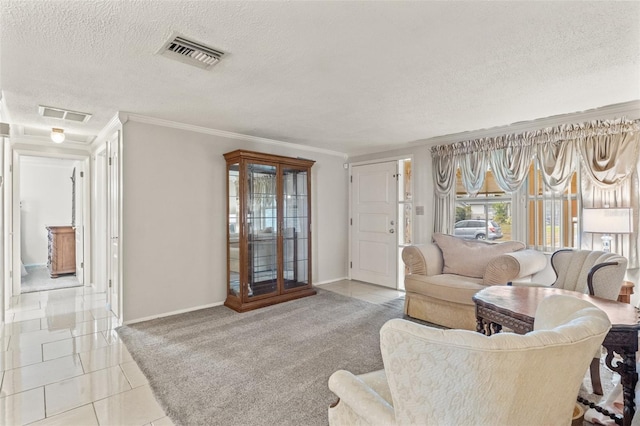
column 625, row 292
column 515, row 307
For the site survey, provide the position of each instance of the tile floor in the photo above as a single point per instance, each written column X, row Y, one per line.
column 363, row 291
column 62, row 363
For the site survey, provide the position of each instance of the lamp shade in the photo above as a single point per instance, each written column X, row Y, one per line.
column 608, row 221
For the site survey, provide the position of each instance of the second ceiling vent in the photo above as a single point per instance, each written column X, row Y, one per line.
column 191, row 52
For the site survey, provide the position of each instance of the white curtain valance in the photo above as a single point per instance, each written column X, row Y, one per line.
column 556, row 161
column 609, row 160
column 608, row 150
column 560, row 133
column 474, row 168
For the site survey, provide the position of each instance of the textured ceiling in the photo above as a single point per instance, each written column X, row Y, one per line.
column 344, row 76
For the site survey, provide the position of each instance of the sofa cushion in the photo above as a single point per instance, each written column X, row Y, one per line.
column 452, row 288
column 470, row 257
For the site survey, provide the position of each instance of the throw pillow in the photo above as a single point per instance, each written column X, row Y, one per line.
column 470, row 257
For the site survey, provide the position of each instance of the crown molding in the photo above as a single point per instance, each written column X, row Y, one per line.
column 107, row 131
column 630, row 110
column 223, row 133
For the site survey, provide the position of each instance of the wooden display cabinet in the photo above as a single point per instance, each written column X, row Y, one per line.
column 268, row 229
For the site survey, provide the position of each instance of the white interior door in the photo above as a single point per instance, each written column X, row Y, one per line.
column 374, row 195
column 113, row 200
column 78, row 223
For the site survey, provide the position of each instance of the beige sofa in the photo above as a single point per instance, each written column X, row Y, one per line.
column 443, row 276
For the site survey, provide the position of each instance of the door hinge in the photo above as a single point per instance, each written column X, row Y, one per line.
column 10, row 274
column 81, row 174
column 81, row 265
column 351, row 265
column 350, row 221
column 351, row 178
column 10, row 167
column 109, row 283
column 109, row 160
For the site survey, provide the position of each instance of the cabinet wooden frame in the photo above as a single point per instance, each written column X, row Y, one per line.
column 245, row 242
column 62, row 250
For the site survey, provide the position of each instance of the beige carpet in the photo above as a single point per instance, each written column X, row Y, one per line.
column 263, row 367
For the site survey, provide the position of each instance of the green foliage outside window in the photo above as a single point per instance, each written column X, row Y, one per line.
column 501, row 213
column 463, row 213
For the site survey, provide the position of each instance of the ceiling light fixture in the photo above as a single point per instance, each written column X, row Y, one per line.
column 57, row 135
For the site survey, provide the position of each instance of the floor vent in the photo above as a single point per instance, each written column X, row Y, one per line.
column 191, row 52
column 63, row 114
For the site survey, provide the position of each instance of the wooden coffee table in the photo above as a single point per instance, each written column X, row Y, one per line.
column 515, row 308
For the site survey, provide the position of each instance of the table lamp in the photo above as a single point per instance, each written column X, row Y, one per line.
column 607, row 221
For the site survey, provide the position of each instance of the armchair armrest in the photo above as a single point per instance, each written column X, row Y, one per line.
column 423, row 259
column 363, row 400
column 511, row 266
column 605, row 279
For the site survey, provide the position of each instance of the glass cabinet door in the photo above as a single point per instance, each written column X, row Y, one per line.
column 295, row 232
column 233, row 220
column 262, row 229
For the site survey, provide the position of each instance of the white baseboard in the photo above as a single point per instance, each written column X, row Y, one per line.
column 331, row 281
column 168, row 314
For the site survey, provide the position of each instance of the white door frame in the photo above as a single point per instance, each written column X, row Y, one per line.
column 15, row 226
column 118, row 310
column 364, row 163
column 100, row 228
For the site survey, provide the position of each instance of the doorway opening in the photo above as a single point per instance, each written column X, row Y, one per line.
column 48, row 201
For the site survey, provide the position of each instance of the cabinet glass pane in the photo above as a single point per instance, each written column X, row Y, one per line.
column 262, row 229
column 234, row 229
column 296, row 228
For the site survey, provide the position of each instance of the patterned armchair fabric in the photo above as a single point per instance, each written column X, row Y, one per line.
column 460, row 377
column 593, row 272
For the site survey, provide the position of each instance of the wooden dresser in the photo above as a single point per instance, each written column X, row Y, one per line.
column 62, row 250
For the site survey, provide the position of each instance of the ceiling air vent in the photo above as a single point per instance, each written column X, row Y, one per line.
column 191, row 52
column 63, row 114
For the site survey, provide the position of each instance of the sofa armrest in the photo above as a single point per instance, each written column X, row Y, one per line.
column 423, row 259
column 512, row 266
column 363, row 400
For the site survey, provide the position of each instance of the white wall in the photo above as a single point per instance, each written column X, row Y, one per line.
column 45, row 198
column 174, row 236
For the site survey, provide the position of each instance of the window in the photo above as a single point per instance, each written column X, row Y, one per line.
column 486, row 216
column 405, row 213
column 552, row 219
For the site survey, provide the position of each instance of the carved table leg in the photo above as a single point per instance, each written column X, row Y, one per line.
column 495, row 327
column 628, row 378
column 481, row 327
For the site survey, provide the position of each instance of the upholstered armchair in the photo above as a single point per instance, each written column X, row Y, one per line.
column 597, row 273
column 459, row 377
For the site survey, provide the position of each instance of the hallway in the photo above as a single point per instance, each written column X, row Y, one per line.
column 61, row 362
